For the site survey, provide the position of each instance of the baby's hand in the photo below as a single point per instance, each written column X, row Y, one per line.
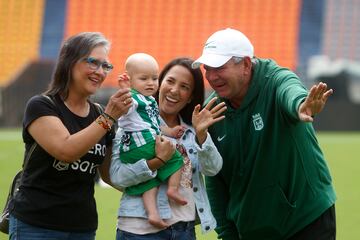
column 123, row 80
column 178, row 131
column 175, row 132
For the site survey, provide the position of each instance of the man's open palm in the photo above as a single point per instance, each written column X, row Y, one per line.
column 314, row 102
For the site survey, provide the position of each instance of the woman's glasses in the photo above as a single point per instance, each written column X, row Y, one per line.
column 94, row 64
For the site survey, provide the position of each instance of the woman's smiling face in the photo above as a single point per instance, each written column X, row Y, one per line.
column 85, row 79
column 175, row 91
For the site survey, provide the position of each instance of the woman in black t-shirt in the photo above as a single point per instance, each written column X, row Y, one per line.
column 67, row 139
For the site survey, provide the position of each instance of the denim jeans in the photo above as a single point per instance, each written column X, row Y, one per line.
column 177, row 231
column 19, row 230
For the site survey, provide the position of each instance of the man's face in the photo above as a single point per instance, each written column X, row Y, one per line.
column 228, row 80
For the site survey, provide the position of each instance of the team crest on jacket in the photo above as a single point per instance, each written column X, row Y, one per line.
column 258, row 122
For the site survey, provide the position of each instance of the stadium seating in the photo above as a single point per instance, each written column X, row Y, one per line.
column 289, row 31
column 20, row 34
column 167, row 29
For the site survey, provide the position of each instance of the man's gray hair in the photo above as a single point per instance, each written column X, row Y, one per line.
column 239, row 59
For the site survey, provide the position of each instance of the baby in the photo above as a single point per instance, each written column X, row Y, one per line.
column 138, row 130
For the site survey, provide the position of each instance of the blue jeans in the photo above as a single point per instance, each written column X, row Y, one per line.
column 177, row 231
column 19, row 230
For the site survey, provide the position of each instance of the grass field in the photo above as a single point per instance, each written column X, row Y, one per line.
column 342, row 150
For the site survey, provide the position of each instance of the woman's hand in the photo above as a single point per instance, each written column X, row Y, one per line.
column 202, row 120
column 119, row 103
column 164, row 149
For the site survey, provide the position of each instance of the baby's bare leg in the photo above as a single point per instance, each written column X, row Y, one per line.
column 173, row 188
column 150, row 204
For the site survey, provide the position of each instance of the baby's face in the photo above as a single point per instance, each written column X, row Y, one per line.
column 145, row 79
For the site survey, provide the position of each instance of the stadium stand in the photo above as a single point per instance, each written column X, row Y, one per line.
column 53, row 29
column 342, row 30
column 20, row 31
column 167, row 29
column 289, row 31
column 34, row 78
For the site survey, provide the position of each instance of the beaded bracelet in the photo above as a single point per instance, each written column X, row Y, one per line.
column 101, row 120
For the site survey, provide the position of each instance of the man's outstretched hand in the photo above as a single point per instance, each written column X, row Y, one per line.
column 314, row 102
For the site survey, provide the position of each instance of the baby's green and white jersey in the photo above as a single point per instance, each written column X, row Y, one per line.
column 141, row 123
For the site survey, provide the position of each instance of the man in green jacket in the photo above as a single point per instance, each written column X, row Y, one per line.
column 275, row 183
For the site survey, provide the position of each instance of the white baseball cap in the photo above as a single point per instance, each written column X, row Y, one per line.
column 223, row 45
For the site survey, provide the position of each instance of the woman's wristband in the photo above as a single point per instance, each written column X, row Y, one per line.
column 104, row 123
column 108, row 117
column 160, row 159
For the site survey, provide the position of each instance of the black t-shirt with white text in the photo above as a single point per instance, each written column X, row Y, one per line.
column 54, row 194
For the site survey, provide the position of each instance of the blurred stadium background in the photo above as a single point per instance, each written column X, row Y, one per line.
column 319, row 40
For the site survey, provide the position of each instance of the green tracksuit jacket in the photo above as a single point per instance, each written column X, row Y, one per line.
column 274, row 179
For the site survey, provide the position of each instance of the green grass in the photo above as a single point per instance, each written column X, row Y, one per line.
column 342, row 150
